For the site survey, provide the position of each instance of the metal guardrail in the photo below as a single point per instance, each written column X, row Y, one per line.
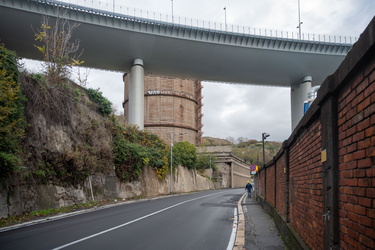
column 159, row 19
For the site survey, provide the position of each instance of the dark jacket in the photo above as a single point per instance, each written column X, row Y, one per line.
column 248, row 186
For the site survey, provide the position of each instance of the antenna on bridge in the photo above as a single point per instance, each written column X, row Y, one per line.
column 299, row 20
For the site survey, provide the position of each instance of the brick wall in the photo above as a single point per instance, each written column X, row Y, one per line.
column 260, row 183
column 356, row 132
column 270, row 184
column 306, row 185
column 325, row 173
column 281, row 185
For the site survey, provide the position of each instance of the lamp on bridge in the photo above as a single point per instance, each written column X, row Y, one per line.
column 264, row 136
column 172, row 13
column 299, row 21
column 225, row 13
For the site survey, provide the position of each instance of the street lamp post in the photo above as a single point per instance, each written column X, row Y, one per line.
column 264, row 136
column 210, row 171
column 170, row 174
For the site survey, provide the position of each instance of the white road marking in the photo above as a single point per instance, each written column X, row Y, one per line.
column 234, row 231
column 130, row 222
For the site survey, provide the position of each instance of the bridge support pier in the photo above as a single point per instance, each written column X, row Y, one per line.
column 136, row 94
column 298, row 95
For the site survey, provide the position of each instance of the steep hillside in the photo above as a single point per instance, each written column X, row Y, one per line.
column 67, row 138
column 249, row 150
column 211, row 141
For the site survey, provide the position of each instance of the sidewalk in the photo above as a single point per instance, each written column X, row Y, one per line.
column 260, row 230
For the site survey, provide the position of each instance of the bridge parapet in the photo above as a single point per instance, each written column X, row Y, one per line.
column 157, row 23
column 146, row 16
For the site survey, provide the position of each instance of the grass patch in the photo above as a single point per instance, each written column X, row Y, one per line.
column 12, row 220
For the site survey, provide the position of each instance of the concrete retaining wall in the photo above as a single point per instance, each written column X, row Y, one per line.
column 25, row 197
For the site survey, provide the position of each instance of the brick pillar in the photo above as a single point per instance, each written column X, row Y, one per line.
column 330, row 164
column 286, row 172
column 275, row 184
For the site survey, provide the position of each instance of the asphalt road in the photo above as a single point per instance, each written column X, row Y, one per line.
column 202, row 220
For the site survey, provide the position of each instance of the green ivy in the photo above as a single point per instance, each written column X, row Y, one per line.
column 104, row 105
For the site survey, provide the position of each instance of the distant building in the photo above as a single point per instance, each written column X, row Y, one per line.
column 172, row 106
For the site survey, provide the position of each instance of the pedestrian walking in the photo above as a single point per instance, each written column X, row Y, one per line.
column 248, row 187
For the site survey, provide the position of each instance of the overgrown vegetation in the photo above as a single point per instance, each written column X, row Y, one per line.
column 184, row 154
column 11, row 114
column 135, row 149
column 79, row 152
column 104, row 105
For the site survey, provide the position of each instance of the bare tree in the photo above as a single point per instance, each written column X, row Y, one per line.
column 230, row 139
column 59, row 53
column 241, row 139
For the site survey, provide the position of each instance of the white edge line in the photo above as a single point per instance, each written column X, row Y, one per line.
column 130, row 222
column 234, row 231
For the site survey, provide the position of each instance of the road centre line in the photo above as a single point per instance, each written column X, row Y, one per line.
column 130, row 222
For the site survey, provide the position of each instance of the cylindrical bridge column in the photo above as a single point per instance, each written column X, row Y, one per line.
column 136, row 94
column 298, row 95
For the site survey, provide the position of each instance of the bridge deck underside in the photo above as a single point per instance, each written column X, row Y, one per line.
column 113, row 44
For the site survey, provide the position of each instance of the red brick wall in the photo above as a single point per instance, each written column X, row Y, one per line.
column 270, row 184
column 340, row 213
column 281, row 185
column 306, row 186
column 261, row 183
column 356, row 119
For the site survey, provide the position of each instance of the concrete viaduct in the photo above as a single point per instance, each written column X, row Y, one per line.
column 141, row 46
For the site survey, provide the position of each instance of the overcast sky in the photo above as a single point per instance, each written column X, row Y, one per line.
column 243, row 110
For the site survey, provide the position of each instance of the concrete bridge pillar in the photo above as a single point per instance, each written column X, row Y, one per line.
column 298, row 95
column 136, row 94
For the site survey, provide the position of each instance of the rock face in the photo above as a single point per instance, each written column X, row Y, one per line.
column 104, row 187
